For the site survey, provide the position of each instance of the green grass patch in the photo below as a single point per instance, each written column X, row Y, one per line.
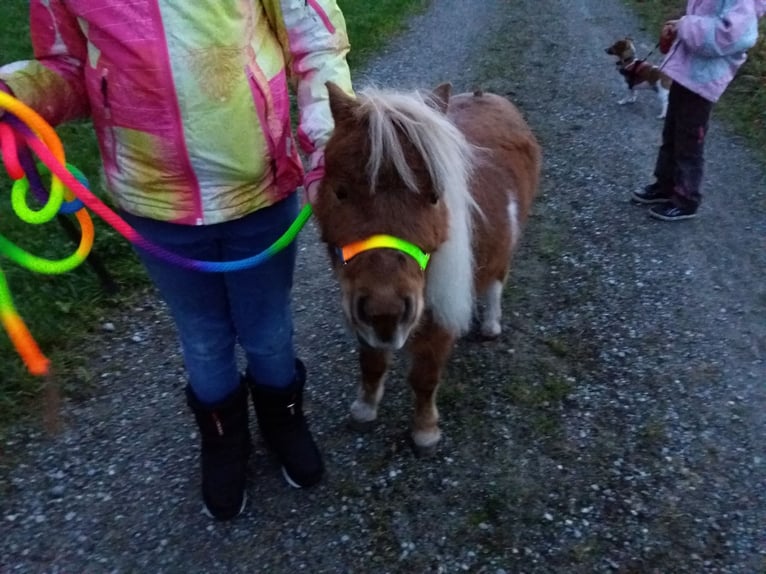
column 370, row 24
column 548, row 392
column 60, row 310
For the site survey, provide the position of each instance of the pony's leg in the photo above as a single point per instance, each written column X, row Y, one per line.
column 493, row 312
column 374, row 366
column 430, row 348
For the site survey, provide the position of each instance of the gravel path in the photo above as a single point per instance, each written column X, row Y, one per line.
column 616, row 426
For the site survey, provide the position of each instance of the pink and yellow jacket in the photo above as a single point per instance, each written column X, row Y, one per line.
column 711, row 44
column 189, row 98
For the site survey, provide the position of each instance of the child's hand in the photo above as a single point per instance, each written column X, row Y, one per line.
column 668, row 35
column 310, row 192
column 311, row 182
column 669, row 30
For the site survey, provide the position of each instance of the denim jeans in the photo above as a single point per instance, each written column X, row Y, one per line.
column 215, row 311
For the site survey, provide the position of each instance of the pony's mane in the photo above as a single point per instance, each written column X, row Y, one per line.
column 450, row 159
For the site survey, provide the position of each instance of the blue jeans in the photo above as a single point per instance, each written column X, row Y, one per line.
column 215, row 311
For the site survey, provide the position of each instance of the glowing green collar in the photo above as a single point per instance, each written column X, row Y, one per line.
column 351, row 250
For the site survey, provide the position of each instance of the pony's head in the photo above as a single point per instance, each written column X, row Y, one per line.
column 395, row 190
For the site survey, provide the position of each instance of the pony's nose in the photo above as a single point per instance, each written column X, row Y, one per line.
column 361, row 310
column 409, row 309
column 385, row 315
column 368, row 308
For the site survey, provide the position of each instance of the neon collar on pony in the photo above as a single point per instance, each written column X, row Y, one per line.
column 351, row 250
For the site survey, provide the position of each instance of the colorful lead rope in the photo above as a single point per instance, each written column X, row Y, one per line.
column 69, row 193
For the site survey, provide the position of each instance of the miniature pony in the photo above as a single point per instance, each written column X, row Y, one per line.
column 421, row 206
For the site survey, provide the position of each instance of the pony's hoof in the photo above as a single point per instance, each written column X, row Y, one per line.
column 425, row 444
column 425, row 451
column 360, row 426
column 491, row 331
column 362, row 416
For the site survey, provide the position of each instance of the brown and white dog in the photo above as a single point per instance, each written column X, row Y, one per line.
column 639, row 74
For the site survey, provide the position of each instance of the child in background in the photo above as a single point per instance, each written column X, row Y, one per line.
column 709, row 45
column 190, row 105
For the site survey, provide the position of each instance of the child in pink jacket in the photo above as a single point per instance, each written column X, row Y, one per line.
column 190, row 103
column 709, row 45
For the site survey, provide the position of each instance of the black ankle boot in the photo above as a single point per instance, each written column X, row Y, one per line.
column 225, row 441
column 285, row 430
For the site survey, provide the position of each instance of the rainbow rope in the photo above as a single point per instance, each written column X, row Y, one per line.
column 69, row 193
column 22, row 339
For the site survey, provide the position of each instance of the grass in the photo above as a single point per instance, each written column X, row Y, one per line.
column 54, row 307
column 743, row 105
column 371, row 23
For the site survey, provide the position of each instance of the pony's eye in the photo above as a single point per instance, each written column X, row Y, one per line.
column 341, row 193
column 434, row 198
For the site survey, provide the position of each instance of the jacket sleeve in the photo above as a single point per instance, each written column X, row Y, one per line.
column 732, row 31
column 52, row 84
column 314, row 38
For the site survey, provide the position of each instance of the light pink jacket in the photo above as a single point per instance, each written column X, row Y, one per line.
column 189, row 98
column 711, row 44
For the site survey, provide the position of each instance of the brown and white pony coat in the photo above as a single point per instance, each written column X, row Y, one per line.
column 453, row 176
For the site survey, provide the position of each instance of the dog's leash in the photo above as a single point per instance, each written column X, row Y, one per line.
column 645, row 58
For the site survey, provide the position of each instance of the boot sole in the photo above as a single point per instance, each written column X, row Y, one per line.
column 289, row 480
column 646, row 201
column 209, row 514
column 675, row 218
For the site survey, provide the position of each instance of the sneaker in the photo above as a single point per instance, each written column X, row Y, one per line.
column 671, row 212
column 652, row 193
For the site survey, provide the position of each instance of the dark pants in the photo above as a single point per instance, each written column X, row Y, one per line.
column 680, row 162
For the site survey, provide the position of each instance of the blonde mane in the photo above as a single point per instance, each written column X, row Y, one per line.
column 450, row 159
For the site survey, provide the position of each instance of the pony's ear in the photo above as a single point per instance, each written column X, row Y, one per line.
column 341, row 104
column 440, row 96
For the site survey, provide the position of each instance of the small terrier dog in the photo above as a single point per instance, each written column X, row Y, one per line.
column 639, row 74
